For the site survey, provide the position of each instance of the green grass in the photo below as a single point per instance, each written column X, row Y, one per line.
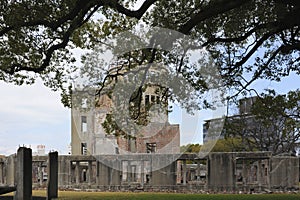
column 67, row 195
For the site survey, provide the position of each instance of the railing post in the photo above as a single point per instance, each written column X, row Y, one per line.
column 52, row 187
column 24, row 174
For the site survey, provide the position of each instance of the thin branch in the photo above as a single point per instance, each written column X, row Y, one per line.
column 244, row 36
column 257, row 45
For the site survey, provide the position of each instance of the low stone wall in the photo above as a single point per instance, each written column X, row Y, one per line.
column 225, row 172
column 284, row 173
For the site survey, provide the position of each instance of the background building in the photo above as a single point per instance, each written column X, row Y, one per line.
column 260, row 125
column 244, row 112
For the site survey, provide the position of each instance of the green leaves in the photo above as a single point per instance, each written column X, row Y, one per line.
column 272, row 125
column 258, row 37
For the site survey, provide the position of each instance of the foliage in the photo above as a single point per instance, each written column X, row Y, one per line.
column 257, row 37
column 190, row 148
column 273, row 124
column 247, row 40
column 228, row 145
column 222, row 145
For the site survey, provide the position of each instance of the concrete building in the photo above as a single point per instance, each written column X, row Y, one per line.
column 40, row 150
column 244, row 110
column 277, row 133
column 89, row 136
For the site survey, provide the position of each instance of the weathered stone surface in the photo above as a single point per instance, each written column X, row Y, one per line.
column 221, row 168
column 164, row 172
column 285, row 172
column 10, row 170
column 24, row 174
column 52, row 188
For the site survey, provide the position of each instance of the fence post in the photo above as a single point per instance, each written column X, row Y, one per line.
column 52, row 187
column 24, row 174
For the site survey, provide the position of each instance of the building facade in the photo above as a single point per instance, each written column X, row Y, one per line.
column 244, row 112
column 89, row 136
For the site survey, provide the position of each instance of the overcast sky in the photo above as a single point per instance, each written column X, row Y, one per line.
column 32, row 115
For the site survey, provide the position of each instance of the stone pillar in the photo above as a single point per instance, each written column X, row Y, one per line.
column 115, row 178
column 268, row 174
column 206, row 186
column 129, row 172
column 52, row 187
column 198, row 171
column 1, row 173
column 221, row 171
column 244, row 174
column 64, row 171
column 184, row 172
column 142, row 173
column 259, row 175
column 40, row 173
column 90, row 172
column 103, row 174
column 77, row 173
column 24, row 174
column 97, row 173
column 10, row 170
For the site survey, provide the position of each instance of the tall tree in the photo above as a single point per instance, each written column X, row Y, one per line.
column 257, row 37
column 273, row 124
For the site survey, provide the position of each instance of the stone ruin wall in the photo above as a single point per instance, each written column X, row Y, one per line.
column 218, row 172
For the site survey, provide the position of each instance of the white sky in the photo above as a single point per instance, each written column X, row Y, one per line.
column 32, row 115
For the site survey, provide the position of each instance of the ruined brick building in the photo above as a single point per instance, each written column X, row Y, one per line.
column 89, row 137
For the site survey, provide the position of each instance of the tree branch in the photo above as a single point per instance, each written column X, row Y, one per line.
column 215, row 8
column 76, row 15
column 77, row 22
column 244, row 36
column 256, row 46
column 130, row 13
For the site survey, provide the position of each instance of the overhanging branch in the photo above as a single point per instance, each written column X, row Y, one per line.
column 214, row 8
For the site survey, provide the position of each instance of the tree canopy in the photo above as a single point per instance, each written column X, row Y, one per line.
column 222, row 145
column 272, row 125
column 259, row 38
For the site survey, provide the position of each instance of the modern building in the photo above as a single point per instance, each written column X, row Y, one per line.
column 40, row 150
column 263, row 133
column 244, row 112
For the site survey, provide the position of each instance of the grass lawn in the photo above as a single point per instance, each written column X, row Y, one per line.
column 67, row 195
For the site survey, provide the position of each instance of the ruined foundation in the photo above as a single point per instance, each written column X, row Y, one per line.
column 218, row 172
